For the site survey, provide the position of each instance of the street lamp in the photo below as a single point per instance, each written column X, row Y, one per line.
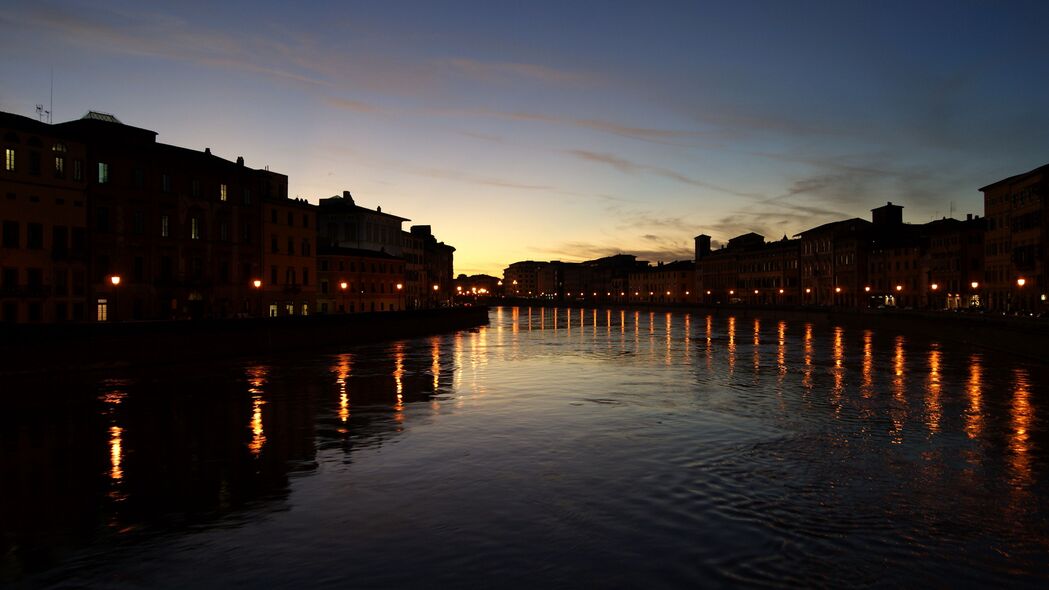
column 115, row 281
column 343, row 285
column 257, row 284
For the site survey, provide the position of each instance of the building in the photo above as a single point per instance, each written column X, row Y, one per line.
column 289, row 260
column 178, row 228
column 833, row 262
column 955, row 262
column 436, row 286
column 43, row 221
column 670, row 283
column 1017, row 242
column 352, row 280
column 344, row 223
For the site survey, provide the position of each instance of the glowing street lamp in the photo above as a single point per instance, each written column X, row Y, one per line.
column 115, row 280
column 1020, row 282
column 257, row 284
column 899, row 288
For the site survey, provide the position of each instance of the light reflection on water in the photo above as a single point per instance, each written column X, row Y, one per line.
column 551, row 448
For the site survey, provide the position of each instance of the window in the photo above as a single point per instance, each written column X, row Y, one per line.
column 305, row 276
column 273, row 216
column 61, row 282
column 138, row 178
column 103, row 173
column 247, row 196
column 194, row 188
column 34, row 163
column 273, row 275
column 138, row 269
column 194, row 228
column 222, row 192
column 305, row 247
column 102, row 219
column 305, row 220
column 9, row 159
column 102, row 310
column 165, row 183
column 291, row 246
column 223, row 230
column 78, row 170
column 11, row 238
column 60, row 167
column 289, row 276
column 291, row 218
column 273, row 244
column 34, row 236
column 165, row 226
column 138, row 221
column 59, row 241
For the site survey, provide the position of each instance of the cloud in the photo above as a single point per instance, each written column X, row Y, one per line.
column 496, row 71
column 474, row 179
column 355, row 106
column 628, row 167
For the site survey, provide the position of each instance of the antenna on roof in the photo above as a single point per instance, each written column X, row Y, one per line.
column 42, row 113
column 52, row 107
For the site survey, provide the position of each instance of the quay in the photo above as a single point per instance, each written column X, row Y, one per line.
column 49, row 348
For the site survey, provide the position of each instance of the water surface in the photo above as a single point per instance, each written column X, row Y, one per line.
column 554, row 447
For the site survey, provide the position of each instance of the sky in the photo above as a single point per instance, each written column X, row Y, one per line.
column 568, row 130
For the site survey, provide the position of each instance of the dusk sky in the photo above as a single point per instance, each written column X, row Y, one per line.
column 568, row 130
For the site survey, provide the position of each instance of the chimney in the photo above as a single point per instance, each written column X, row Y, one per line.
column 240, row 160
column 207, row 151
column 968, row 216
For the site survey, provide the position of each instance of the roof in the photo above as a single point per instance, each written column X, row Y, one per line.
column 1038, row 170
column 836, row 225
column 97, row 116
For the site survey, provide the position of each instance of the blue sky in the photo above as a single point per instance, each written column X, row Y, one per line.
column 569, row 130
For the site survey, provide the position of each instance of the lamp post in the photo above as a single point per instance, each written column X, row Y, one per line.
column 257, row 284
column 436, row 288
column 400, row 296
column 343, row 285
column 1020, row 303
column 934, row 287
column 115, row 281
column 975, row 297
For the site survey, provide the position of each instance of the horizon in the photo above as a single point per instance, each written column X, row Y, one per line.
column 530, row 133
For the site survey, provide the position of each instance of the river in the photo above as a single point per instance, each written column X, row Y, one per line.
column 552, row 448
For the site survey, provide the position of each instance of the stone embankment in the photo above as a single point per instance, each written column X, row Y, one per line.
column 30, row 349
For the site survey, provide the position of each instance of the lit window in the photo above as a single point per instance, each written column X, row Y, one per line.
column 78, row 170
column 103, row 173
column 194, row 228
column 60, row 167
column 222, row 192
column 102, row 313
column 165, row 226
column 9, row 159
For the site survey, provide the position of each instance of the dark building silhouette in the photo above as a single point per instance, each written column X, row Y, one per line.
column 1017, row 242
column 100, row 222
column 43, row 223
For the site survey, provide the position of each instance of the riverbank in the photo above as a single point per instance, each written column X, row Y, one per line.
column 29, row 349
column 1026, row 337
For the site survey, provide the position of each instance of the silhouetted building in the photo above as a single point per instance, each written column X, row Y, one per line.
column 344, row 223
column 955, row 262
column 179, row 227
column 43, row 218
column 481, row 285
column 289, row 259
column 834, row 263
column 1017, row 242
column 352, row 280
column 664, row 283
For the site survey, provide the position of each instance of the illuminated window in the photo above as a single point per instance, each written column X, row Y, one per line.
column 60, row 167
column 194, row 228
column 222, row 192
column 78, row 170
column 9, row 159
column 102, row 310
column 103, row 173
column 165, row 226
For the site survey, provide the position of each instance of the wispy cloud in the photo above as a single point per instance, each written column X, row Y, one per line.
column 628, row 167
column 497, row 71
column 476, row 179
